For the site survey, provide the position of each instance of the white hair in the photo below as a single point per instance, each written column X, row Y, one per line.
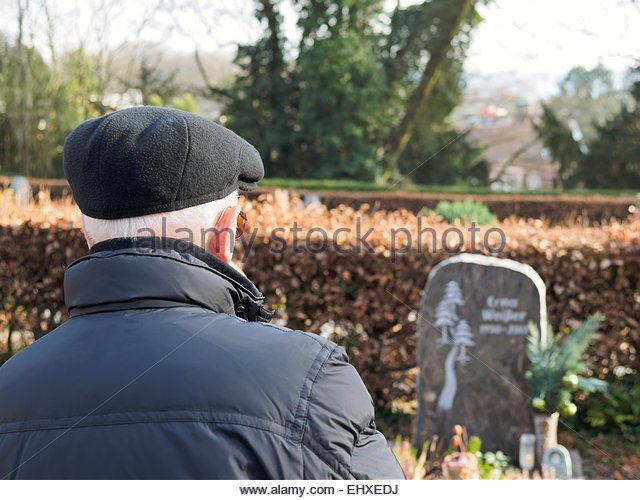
column 189, row 223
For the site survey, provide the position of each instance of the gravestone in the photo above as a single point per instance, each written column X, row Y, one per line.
column 472, row 349
column 22, row 190
column 576, row 464
column 556, row 463
column 312, row 200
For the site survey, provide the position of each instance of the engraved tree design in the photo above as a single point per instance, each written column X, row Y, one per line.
column 447, row 320
column 448, row 393
column 463, row 338
column 446, row 316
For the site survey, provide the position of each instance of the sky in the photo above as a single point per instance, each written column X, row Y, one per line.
column 532, row 40
column 550, row 36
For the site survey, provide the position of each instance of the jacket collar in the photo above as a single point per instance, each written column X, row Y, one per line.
column 129, row 273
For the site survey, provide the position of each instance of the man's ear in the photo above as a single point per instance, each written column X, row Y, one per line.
column 223, row 236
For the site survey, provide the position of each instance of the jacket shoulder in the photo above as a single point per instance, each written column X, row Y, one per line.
column 313, row 340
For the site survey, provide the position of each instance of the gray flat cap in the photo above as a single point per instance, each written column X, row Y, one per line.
column 146, row 160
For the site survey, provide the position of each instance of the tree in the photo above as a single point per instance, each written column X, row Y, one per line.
column 44, row 93
column 453, row 293
column 610, row 159
column 24, row 79
column 450, row 386
column 450, row 26
column 613, row 160
column 341, row 90
column 73, row 98
column 260, row 105
column 445, row 314
column 558, row 139
column 463, row 338
column 446, row 317
column 156, row 85
column 61, row 96
column 587, row 97
column 437, row 153
column 335, row 105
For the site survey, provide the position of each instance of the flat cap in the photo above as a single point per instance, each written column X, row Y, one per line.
column 147, row 159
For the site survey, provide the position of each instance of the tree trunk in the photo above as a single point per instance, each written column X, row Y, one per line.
column 448, row 394
column 26, row 103
column 421, row 93
column 276, row 67
column 513, row 157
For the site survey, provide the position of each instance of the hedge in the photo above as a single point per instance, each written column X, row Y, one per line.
column 365, row 301
column 552, row 208
column 592, row 209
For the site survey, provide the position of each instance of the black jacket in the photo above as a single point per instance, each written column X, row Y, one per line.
column 167, row 369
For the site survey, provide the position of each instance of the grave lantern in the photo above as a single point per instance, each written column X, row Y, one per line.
column 527, row 451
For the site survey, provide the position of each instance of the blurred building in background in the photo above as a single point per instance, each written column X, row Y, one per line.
column 501, row 119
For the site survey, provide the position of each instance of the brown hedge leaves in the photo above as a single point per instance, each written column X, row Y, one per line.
column 364, row 300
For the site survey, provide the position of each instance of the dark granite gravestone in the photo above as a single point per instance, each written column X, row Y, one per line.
column 472, row 341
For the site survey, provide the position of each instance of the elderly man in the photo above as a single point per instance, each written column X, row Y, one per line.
column 168, row 366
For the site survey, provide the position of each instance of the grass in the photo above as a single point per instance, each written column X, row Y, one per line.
column 7, row 173
column 354, row 185
column 406, row 186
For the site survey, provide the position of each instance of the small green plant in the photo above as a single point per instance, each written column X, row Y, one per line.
column 618, row 409
column 557, row 364
column 465, row 211
column 491, row 465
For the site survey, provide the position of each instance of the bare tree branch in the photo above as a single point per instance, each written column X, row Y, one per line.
column 513, row 157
